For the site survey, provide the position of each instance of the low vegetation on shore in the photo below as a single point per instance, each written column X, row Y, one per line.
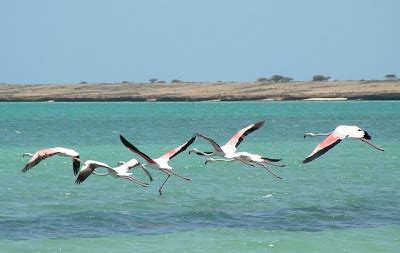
column 198, row 91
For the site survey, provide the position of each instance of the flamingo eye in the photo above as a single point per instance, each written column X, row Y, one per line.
column 359, row 129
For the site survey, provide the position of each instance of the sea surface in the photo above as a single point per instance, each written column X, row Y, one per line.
column 347, row 200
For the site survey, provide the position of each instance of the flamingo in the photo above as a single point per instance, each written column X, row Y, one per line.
column 253, row 160
column 134, row 163
column 230, row 146
column 228, row 152
column 340, row 133
column 49, row 152
column 121, row 171
column 258, row 161
column 161, row 163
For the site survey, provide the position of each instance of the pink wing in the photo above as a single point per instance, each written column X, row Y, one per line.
column 329, row 142
column 239, row 136
column 38, row 157
column 170, row 154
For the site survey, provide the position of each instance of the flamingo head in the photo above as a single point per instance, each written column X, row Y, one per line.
column 356, row 132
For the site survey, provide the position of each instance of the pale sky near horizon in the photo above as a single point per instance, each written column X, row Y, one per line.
column 69, row 41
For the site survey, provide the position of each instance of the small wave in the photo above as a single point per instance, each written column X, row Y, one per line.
column 98, row 223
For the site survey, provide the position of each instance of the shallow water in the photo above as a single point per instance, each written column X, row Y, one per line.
column 346, row 200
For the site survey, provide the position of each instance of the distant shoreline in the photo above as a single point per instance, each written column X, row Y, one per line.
column 221, row 91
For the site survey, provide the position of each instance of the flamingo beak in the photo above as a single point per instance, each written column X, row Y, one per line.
column 367, row 136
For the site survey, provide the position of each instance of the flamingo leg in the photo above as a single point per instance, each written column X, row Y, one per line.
column 159, row 190
column 278, row 177
column 273, row 164
column 245, row 162
column 171, row 172
column 218, row 160
column 134, row 180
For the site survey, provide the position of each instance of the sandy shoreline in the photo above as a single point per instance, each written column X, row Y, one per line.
column 229, row 91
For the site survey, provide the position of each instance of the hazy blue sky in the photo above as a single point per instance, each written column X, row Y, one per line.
column 206, row 40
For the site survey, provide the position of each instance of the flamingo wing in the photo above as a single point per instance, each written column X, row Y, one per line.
column 174, row 152
column 38, row 157
column 130, row 164
column 88, row 169
column 76, row 164
column 239, row 136
column 328, row 143
column 212, row 142
column 135, row 150
column 85, row 172
column 32, row 162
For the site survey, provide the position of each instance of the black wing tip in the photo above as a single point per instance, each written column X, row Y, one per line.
column 260, row 123
column 26, row 168
column 122, row 138
column 192, row 139
column 80, row 179
column 125, row 142
column 76, row 164
column 311, row 158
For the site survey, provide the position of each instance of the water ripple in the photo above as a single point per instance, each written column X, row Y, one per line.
column 98, row 223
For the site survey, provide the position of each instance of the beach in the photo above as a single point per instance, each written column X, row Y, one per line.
column 202, row 91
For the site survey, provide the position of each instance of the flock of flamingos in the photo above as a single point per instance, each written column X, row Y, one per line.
column 226, row 153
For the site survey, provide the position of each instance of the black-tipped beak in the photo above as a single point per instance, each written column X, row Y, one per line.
column 367, row 136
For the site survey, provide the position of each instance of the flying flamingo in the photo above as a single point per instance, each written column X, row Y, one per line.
column 244, row 157
column 121, row 171
column 228, row 151
column 335, row 137
column 131, row 164
column 161, row 163
column 231, row 145
column 49, row 152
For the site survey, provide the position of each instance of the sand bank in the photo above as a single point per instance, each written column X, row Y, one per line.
column 229, row 91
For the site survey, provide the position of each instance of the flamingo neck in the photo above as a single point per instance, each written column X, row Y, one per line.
column 315, row 134
column 199, row 152
column 100, row 174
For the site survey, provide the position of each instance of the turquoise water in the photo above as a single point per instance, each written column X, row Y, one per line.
column 345, row 201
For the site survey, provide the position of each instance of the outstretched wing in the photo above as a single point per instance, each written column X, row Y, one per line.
column 76, row 164
column 32, row 162
column 173, row 152
column 38, row 157
column 328, row 143
column 212, row 142
column 85, row 172
column 130, row 164
column 88, row 169
column 234, row 142
column 135, row 150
